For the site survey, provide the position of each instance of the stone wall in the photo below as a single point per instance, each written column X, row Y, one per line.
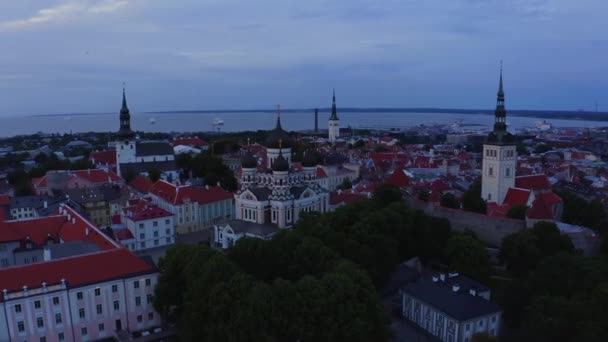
column 491, row 230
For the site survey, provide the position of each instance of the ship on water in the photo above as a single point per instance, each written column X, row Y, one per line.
column 543, row 125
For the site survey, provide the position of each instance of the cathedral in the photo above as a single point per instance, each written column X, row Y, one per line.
column 275, row 193
column 137, row 156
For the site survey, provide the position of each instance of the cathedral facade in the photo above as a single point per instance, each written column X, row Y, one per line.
column 276, row 193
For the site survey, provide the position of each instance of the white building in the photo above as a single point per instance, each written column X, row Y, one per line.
column 194, row 207
column 137, row 157
column 451, row 307
column 333, row 126
column 149, row 225
column 225, row 235
column 82, row 297
column 277, row 194
column 499, row 156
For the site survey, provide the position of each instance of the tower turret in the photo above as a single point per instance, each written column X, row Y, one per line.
column 125, row 131
column 333, row 127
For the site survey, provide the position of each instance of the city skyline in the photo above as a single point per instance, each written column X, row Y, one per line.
column 72, row 56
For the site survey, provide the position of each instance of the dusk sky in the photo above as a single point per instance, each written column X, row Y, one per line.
column 72, row 56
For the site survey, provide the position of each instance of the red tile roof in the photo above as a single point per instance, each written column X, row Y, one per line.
column 539, row 210
column 145, row 211
column 78, row 271
column 399, row 178
column 5, row 200
column 124, row 234
column 57, row 227
column 516, row 196
column 97, row 176
column 193, row 142
column 321, row 173
column 142, row 184
column 550, row 198
column 103, row 157
column 495, row 210
column 345, row 197
column 533, row 182
column 177, row 194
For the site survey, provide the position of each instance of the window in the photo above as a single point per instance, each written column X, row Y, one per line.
column 58, row 319
column 155, row 234
column 98, row 292
column 149, row 298
column 102, row 327
column 508, row 172
column 43, row 339
column 84, row 331
column 37, row 304
column 468, row 327
column 21, row 326
column 493, row 319
column 167, row 222
column 168, row 231
column 60, row 336
column 156, row 242
column 480, row 323
column 81, row 313
column 141, row 226
column 140, row 318
column 168, row 240
column 99, row 309
column 148, row 282
column 55, row 300
column 491, row 171
column 150, row 316
column 142, row 245
column 136, row 284
column 40, row 322
column 155, row 224
column 116, row 305
column 114, row 288
column 142, row 236
column 79, row 295
column 137, row 301
column 18, row 308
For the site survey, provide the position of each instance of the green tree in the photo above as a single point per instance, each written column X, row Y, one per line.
column 517, row 212
column 448, row 200
column 386, row 194
column 471, row 199
column 153, row 174
column 468, row 255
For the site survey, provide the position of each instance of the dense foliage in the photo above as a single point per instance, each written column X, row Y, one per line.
column 517, row 212
column 312, row 283
column 471, row 199
column 208, row 167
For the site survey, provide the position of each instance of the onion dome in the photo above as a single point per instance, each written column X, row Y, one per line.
column 278, row 135
column 280, row 164
column 249, row 161
column 310, row 159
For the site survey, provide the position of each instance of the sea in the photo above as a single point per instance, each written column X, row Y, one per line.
column 252, row 121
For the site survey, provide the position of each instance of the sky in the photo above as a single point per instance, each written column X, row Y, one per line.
column 72, row 56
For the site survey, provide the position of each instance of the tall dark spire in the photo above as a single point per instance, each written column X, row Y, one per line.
column 125, row 131
column 500, row 114
column 334, row 112
column 278, row 117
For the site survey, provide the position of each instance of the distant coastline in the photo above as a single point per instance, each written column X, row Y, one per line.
column 542, row 114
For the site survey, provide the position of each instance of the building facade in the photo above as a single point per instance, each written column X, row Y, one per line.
column 194, row 207
column 276, row 193
column 150, row 225
column 499, row 156
column 451, row 307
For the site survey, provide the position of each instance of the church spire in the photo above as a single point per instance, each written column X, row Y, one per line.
column 500, row 114
column 278, row 117
column 334, row 112
column 125, row 131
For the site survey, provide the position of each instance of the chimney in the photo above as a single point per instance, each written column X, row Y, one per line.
column 46, row 204
column 442, row 276
column 44, row 286
column 69, row 217
column 5, row 294
column 63, row 283
column 25, row 290
column 473, row 292
column 46, row 254
column 453, row 274
column 86, row 231
column 435, row 279
column 455, row 287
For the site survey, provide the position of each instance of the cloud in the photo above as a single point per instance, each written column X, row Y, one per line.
column 63, row 11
